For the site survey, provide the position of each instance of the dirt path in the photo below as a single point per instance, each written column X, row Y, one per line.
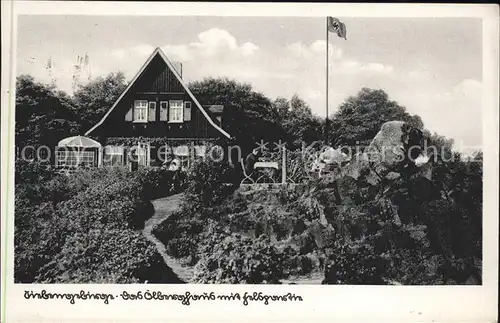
column 163, row 208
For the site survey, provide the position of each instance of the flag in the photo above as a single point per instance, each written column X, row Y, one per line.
column 336, row 26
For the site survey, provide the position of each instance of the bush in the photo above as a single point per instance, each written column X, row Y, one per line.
column 237, row 259
column 209, row 182
column 193, row 234
column 84, row 228
column 121, row 256
column 160, row 182
column 355, row 240
column 355, row 263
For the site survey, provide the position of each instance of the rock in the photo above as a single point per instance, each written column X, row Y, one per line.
column 387, row 147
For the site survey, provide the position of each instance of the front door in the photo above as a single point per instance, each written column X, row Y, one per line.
column 143, row 154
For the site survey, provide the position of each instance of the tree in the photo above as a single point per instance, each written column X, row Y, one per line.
column 439, row 145
column 248, row 115
column 360, row 117
column 297, row 121
column 94, row 99
column 43, row 115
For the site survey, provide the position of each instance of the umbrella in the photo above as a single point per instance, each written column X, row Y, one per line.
column 79, row 141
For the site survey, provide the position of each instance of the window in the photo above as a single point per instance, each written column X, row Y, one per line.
column 187, row 111
column 164, row 111
column 176, row 111
column 141, row 111
column 74, row 158
column 181, row 153
column 152, row 111
column 113, row 156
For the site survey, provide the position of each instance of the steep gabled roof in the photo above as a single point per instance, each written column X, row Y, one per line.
column 158, row 51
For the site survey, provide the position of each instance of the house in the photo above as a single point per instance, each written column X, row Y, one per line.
column 157, row 116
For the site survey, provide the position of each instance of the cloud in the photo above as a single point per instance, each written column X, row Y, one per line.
column 249, row 49
column 379, row 68
column 420, row 75
column 216, row 38
column 352, row 67
column 212, row 43
column 181, row 53
column 315, row 49
column 454, row 111
column 142, row 49
column 469, row 89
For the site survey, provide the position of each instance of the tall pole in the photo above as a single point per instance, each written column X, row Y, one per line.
column 326, row 121
column 283, row 165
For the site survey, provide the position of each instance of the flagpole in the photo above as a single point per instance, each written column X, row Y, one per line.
column 326, row 123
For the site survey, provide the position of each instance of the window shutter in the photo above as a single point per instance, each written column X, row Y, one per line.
column 187, row 111
column 164, row 111
column 152, row 111
column 128, row 116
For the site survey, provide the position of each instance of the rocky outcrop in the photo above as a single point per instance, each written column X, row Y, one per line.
column 395, row 154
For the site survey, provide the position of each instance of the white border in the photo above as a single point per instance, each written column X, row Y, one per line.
column 321, row 303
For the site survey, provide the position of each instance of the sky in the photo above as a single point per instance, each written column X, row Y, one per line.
column 431, row 66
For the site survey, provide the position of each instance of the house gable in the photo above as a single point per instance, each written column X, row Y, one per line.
column 158, row 76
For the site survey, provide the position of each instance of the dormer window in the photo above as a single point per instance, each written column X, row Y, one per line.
column 140, row 111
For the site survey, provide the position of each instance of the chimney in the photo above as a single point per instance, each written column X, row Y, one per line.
column 178, row 67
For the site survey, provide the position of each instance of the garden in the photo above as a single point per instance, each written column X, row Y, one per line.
column 290, row 234
column 86, row 228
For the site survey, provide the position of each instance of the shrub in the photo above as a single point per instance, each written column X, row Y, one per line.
column 209, row 182
column 32, row 172
column 83, row 228
column 355, row 263
column 237, row 259
column 160, row 182
column 354, row 239
column 39, row 234
column 102, row 255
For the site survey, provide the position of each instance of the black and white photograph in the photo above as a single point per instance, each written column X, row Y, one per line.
column 323, row 150
column 288, row 151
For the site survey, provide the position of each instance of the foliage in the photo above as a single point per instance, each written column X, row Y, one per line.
column 102, row 255
column 354, row 263
column 83, row 228
column 160, row 182
column 237, row 259
column 43, row 115
column 281, row 241
column 355, row 241
column 94, row 99
column 248, row 115
column 298, row 123
column 208, row 182
column 438, row 241
column 359, row 118
column 154, row 141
